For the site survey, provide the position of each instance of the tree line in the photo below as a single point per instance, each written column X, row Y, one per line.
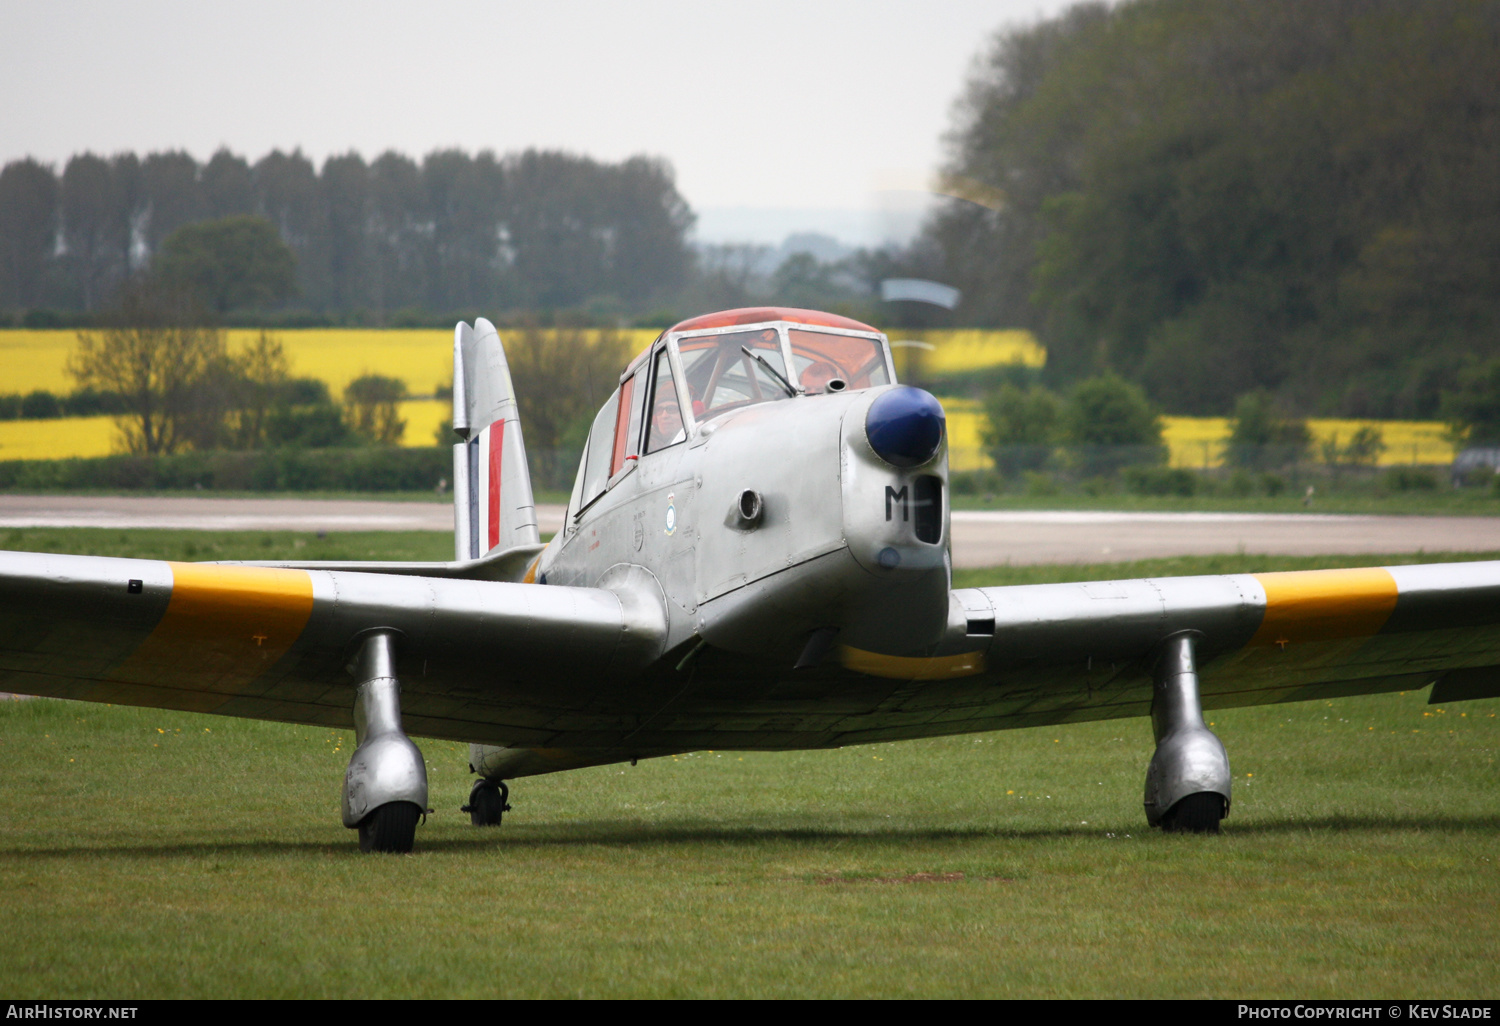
column 1212, row 198
column 454, row 232
column 158, row 361
column 1104, row 433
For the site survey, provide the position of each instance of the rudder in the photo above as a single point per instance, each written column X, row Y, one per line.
column 492, row 503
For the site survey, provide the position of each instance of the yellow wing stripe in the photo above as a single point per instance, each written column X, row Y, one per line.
column 965, row 664
column 1321, row 605
column 224, row 627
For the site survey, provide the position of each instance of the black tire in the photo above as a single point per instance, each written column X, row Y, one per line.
column 1198, row 813
column 391, row 828
column 487, row 803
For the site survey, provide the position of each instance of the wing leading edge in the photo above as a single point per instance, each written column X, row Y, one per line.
column 1043, row 654
column 477, row 658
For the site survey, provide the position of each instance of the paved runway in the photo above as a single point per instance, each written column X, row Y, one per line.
column 996, row 538
column 210, row 514
column 985, row 538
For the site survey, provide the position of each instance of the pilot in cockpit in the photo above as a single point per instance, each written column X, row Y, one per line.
column 666, row 422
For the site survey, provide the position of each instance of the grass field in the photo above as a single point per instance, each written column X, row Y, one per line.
column 148, row 854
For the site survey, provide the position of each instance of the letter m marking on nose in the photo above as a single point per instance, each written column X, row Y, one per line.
column 891, row 495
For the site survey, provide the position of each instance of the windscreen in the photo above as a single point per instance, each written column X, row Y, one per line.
column 730, row 371
column 820, row 357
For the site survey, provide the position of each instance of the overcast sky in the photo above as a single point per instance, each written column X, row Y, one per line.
column 766, row 109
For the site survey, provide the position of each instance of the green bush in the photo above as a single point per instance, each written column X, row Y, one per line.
column 1410, row 479
column 1262, row 436
column 1038, row 483
column 975, row 482
column 1161, row 481
column 1480, row 476
column 369, row 469
column 1110, row 424
column 1022, row 427
column 40, row 405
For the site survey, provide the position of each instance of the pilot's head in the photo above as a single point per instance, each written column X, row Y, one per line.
column 816, row 376
column 666, row 421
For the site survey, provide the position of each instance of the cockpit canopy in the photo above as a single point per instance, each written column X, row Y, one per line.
column 710, row 366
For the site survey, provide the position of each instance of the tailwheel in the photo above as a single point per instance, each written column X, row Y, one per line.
column 1198, row 813
column 390, row 828
column 487, row 802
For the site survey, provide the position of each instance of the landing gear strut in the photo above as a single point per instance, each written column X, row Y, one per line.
column 1188, row 783
column 487, row 802
column 385, row 787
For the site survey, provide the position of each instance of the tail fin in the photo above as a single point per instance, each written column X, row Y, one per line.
column 493, row 507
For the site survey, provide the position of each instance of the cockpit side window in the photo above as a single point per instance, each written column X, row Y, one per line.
column 821, row 357
column 740, row 368
column 665, row 426
column 600, row 448
column 627, row 426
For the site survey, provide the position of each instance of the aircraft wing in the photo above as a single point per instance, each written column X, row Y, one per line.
column 548, row 668
column 1043, row 654
column 501, row 565
column 477, row 659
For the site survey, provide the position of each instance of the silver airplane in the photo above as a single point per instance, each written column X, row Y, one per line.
column 755, row 556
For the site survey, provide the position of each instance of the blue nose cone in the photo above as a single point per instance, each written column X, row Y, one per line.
column 905, row 426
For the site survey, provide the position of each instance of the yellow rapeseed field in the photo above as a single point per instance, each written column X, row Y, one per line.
column 422, row 358
column 82, row 437
column 1199, row 442
column 36, row 360
column 954, row 351
column 57, row 439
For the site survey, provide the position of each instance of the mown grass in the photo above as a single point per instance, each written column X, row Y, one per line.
column 147, row 854
column 218, row 545
column 1188, row 566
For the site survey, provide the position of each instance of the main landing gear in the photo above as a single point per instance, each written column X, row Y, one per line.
column 487, row 802
column 385, row 786
column 1188, row 782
